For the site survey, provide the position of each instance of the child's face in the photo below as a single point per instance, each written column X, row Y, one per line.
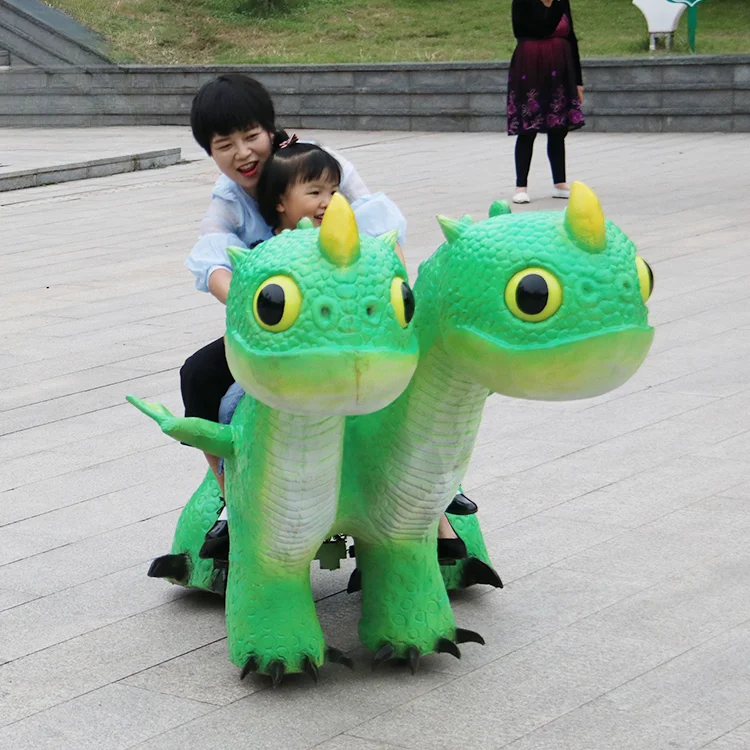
column 306, row 199
column 241, row 155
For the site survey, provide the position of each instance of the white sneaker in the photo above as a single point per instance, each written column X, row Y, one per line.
column 558, row 193
column 521, row 198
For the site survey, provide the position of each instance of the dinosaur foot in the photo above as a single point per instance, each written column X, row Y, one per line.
column 412, row 654
column 278, row 668
column 476, row 571
column 174, row 567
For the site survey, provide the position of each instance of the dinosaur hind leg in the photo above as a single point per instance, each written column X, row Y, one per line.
column 476, row 567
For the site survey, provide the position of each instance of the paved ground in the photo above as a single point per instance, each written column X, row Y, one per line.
column 620, row 525
column 35, row 149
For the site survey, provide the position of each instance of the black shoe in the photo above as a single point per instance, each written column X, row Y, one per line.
column 216, row 545
column 462, row 506
column 451, row 549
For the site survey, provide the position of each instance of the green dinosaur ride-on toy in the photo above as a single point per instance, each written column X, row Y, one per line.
column 340, row 435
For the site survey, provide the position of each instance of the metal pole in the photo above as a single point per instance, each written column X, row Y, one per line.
column 692, row 26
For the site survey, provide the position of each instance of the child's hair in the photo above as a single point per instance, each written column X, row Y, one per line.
column 297, row 162
column 230, row 103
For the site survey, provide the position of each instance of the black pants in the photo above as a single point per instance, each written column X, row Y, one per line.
column 555, row 152
column 204, row 379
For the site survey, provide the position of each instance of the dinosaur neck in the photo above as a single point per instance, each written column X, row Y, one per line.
column 294, row 464
column 436, row 421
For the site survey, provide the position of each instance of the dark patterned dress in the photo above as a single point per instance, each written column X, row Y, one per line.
column 543, row 79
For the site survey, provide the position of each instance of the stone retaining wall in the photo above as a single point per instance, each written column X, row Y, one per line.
column 699, row 93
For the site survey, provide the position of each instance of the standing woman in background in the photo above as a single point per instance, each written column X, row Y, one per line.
column 545, row 87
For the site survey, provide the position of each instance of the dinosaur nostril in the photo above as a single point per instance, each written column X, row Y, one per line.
column 370, row 310
column 325, row 311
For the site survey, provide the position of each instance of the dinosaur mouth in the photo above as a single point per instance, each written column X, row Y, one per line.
column 578, row 368
column 323, row 381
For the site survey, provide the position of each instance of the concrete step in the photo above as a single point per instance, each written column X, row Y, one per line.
column 52, row 175
column 34, row 34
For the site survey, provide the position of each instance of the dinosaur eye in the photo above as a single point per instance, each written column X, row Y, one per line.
column 645, row 278
column 533, row 295
column 402, row 299
column 277, row 303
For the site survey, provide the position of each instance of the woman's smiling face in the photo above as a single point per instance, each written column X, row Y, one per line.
column 241, row 155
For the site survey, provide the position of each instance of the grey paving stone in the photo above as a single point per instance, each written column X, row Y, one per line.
column 686, row 702
column 205, row 674
column 738, row 739
column 93, row 557
column 100, row 657
column 618, row 524
column 116, row 717
column 10, row 599
column 654, row 493
column 89, row 606
column 15, row 546
column 300, row 715
column 349, row 742
column 535, row 542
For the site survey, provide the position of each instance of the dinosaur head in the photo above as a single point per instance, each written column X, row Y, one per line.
column 318, row 320
column 542, row 305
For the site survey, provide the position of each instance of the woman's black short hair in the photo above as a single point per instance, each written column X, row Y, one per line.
column 298, row 162
column 230, row 103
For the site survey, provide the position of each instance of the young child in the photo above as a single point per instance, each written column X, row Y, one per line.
column 297, row 182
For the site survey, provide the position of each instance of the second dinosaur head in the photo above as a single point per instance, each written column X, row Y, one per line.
column 540, row 305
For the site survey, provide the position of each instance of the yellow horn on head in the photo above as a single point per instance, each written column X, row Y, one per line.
column 584, row 219
column 339, row 236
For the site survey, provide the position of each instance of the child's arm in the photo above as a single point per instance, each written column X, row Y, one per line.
column 376, row 213
column 218, row 284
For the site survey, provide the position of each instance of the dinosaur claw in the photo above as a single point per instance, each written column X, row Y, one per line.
column 446, row 646
column 176, row 567
column 476, row 571
column 355, row 581
column 412, row 654
column 339, row 657
column 385, row 652
column 468, row 636
column 309, row 667
column 251, row 665
column 276, row 671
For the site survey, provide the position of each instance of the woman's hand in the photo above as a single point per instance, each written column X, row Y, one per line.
column 580, row 95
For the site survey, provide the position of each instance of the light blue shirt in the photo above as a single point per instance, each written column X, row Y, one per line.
column 233, row 220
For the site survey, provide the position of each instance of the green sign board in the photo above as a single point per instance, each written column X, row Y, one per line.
column 692, row 19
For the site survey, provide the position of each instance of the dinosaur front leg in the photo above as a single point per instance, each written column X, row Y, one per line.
column 271, row 620
column 405, row 607
column 282, row 503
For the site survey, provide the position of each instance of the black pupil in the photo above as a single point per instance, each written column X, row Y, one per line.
column 532, row 294
column 271, row 304
column 650, row 279
column 408, row 296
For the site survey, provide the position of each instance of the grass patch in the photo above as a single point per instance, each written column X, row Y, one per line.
column 332, row 31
